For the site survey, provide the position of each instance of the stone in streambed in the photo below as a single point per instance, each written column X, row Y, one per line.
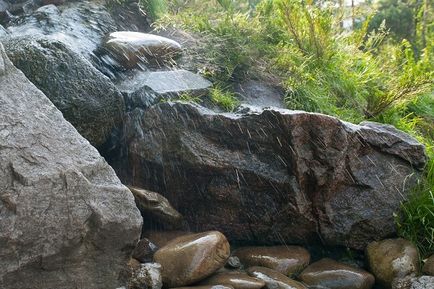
column 144, row 276
column 287, row 260
column 191, row 258
column 132, row 48
column 428, row 267
column 144, row 251
column 274, row 279
column 156, row 205
column 207, row 287
column 392, row 259
column 328, row 273
column 161, row 238
column 236, row 279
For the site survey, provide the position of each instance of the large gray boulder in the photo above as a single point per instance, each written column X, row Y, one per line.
column 87, row 98
column 273, row 176
column 66, row 221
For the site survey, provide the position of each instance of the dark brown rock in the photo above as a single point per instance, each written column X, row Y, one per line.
column 144, row 251
column 191, row 258
column 272, row 176
column 288, row 260
column 328, row 273
column 207, row 287
column 274, row 279
column 236, row 279
column 428, row 267
column 157, row 206
column 392, row 259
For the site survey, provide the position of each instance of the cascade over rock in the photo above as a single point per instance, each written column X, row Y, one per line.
column 66, row 221
column 272, row 176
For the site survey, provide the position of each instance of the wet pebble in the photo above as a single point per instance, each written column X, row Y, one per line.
column 144, row 251
column 161, row 238
column 236, row 279
column 288, row 260
column 328, row 273
column 191, row 258
column 274, row 279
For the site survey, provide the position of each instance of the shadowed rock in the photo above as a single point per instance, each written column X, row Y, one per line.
column 207, row 287
column 161, row 238
column 191, row 258
column 428, row 267
column 235, row 279
column 144, row 251
column 288, row 260
column 156, row 205
column 328, row 273
column 272, row 176
column 63, row 211
column 274, row 279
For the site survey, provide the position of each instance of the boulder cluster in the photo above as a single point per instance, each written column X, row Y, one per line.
column 256, row 198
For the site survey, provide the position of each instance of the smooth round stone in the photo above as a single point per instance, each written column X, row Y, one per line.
column 334, row 275
column 207, row 287
column 130, row 48
column 236, row 279
column 428, row 267
column 161, row 238
column 287, row 260
column 191, row 258
column 274, row 279
column 392, row 259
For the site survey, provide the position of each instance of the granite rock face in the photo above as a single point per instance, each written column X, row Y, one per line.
column 272, row 176
column 63, row 211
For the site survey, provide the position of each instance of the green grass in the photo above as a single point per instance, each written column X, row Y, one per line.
column 224, row 99
column 416, row 219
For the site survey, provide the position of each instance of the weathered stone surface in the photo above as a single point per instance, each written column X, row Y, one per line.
column 235, row 279
column 428, row 267
column 147, row 88
column 144, row 276
column 328, row 273
column 161, row 238
column 156, row 206
column 233, row 262
column 271, row 176
column 191, row 258
column 144, row 251
column 288, row 260
column 274, row 279
column 207, row 287
column 259, row 93
column 422, row 282
column 85, row 96
column 392, row 259
column 63, row 211
column 133, row 49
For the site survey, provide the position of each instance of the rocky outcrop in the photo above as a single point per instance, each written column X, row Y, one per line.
column 85, row 96
column 66, row 221
column 272, row 176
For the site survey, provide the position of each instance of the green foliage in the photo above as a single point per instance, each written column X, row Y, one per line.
column 155, row 8
column 225, row 99
column 416, row 220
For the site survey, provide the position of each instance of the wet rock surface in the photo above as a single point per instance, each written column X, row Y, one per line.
column 85, row 96
column 135, row 49
column 422, row 282
column 272, row 176
column 144, row 276
column 392, row 259
column 207, row 287
column 191, row 258
column 274, row 279
column 288, row 260
column 63, row 211
column 156, row 207
column 237, row 280
column 428, row 267
column 144, row 251
column 328, row 273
